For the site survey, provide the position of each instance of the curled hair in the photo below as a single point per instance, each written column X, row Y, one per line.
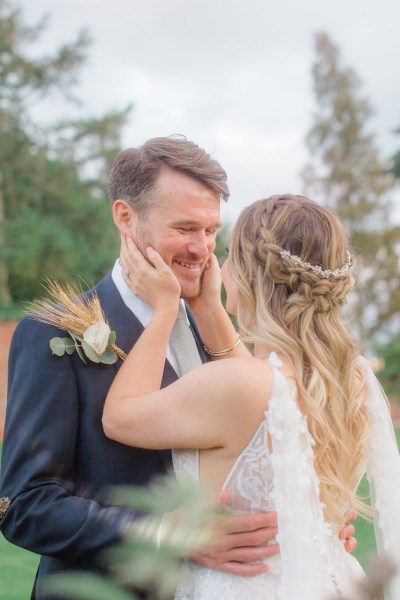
column 135, row 171
column 289, row 307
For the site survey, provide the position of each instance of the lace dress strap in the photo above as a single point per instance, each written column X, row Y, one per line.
column 303, row 534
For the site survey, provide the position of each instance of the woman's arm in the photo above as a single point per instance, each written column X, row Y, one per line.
column 215, row 326
column 206, row 408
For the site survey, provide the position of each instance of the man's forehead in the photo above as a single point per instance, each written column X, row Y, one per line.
column 189, row 211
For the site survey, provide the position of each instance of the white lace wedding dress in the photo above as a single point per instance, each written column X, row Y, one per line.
column 313, row 563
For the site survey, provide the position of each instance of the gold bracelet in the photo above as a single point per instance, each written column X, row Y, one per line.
column 223, row 352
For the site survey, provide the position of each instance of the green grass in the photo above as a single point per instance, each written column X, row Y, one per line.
column 17, row 571
column 364, row 530
column 18, row 567
column 364, row 533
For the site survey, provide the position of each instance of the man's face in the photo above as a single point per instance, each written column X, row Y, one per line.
column 181, row 225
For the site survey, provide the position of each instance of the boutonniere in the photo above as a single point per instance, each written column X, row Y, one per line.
column 82, row 317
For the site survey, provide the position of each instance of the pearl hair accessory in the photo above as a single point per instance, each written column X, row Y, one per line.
column 319, row 271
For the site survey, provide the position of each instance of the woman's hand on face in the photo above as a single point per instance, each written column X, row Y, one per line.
column 210, row 293
column 151, row 279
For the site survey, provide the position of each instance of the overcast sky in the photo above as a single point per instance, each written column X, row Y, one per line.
column 232, row 75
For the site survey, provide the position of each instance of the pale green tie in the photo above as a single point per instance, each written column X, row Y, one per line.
column 183, row 343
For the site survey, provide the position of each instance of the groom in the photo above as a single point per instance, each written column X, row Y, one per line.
column 56, row 459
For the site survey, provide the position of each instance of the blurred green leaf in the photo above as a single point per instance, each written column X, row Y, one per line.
column 154, row 571
column 162, row 495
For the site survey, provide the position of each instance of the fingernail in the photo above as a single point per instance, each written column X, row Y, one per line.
column 150, row 251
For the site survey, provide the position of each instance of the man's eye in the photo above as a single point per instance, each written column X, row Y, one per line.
column 185, row 229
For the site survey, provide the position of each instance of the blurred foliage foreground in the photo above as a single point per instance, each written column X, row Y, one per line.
column 179, row 519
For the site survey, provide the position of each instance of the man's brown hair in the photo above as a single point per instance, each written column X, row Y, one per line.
column 135, row 170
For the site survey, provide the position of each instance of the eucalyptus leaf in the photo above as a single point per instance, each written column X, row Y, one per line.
column 90, row 353
column 69, row 345
column 57, row 346
column 79, row 351
column 85, row 586
column 108, row 357
column 112, row 338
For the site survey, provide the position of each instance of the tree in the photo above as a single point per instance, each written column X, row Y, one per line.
column 54, row 215
column 347, row 174
column 396, row 162
column 389, row 374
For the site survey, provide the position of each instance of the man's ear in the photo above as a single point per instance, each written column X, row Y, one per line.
column 125, row 218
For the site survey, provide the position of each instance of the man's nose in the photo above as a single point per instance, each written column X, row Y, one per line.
column 201, row 244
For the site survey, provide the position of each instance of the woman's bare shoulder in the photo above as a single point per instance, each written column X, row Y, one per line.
column 241, row 363
column 241, row 376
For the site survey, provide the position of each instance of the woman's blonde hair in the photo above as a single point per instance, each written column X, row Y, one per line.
column 292, row 308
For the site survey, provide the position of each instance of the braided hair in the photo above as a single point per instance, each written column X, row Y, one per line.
column 280, row 249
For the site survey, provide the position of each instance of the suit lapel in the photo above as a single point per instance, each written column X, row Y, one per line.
column 128, row 329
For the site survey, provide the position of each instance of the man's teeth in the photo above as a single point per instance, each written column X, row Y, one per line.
column 194, row 267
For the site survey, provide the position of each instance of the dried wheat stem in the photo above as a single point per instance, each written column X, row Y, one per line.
column 120, row 353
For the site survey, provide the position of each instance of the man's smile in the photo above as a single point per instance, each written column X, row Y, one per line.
column 191, row 266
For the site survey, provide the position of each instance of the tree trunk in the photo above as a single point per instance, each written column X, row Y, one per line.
column 5, row 296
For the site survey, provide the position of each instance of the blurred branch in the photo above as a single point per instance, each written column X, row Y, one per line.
column 379, row 574
column 179, row 520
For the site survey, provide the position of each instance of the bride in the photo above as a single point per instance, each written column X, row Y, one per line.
column 292, row 428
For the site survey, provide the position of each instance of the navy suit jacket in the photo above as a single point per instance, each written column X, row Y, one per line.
column 57, row 462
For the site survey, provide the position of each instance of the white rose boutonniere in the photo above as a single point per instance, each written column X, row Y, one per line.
column 82, row 317
column 97, row 337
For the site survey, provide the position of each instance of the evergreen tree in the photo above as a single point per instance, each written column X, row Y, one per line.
column 396, row 161
column 54, row 214
column 347, row 174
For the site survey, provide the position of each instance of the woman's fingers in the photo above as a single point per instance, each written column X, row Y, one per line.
column 157, row 261
column 131, row 257
column 148, row 275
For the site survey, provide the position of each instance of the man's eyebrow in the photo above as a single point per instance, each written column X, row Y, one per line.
column 216, row 225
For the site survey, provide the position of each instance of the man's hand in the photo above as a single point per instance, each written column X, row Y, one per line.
column 242, row 543
column 241, row 540
column 347, row 532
